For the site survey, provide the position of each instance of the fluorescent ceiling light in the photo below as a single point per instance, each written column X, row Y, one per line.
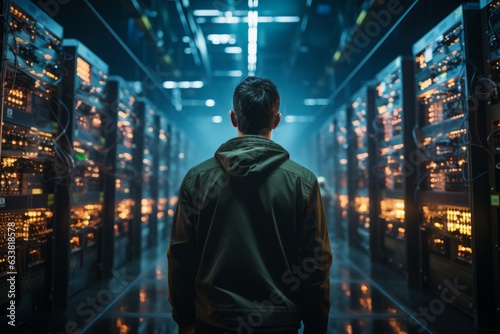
column 233, row 49
column 182, row 84
column 316, row 102
column 299, row 119
column 222, row 38
column 234, row 73
column 206, row 12
column 227, row 20
column 217, row 119
column 210, row 103
column 286, row 19
column 196, row 84
column 169, row 84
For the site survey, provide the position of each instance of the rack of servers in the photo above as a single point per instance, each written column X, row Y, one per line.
column 324, row 160
column 362, row 188
column 31, row 72
column 491, row 25
column 453, row 203
column 81, row 163
column 341, row 129
column 395, row 173
column 121, row 173
column 147, row 194
column 163, row 177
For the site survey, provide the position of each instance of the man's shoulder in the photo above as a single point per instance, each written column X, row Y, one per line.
column 205, row 166
column 299, row 170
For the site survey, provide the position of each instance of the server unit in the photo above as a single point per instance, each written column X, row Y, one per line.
column 31, row 70
column 146, row 197
column 453, row 203
column 341, row 128
column 395, row 172
column 163, row 178
column 490, row 17
column 81, row 164
column 122, row 174
column 362, row 193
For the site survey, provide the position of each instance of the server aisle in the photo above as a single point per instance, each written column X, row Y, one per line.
column 365, row 297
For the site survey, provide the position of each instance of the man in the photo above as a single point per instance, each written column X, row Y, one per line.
column 249, row 249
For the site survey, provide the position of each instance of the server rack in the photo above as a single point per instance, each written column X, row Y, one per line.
column 325, row 160
column 122, row 173
column 395, row 173
column 490, row 17
column 453, row 203
column 362, row 212
column 342, row 226
column 81, row 163
column 31, row 59
column 163, row 177
column 146, row 197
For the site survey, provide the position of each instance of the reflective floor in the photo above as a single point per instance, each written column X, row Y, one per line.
column 365, row 298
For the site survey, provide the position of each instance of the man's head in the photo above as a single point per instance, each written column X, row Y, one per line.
column 256, row 103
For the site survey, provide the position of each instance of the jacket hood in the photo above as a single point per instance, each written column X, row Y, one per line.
column 250, row 155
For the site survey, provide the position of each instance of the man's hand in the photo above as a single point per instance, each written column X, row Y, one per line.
column 187, row 330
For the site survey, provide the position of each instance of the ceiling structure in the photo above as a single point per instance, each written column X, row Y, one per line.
column 307, row 47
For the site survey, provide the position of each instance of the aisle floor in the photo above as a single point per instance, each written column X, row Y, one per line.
column 365, row 298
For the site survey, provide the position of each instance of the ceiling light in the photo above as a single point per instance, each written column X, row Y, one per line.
column 227, row 20
column 233, row 49
column 210, row 103
column 197, row 84
column 265, row 19
column 182, row 84
column 186, row 39
column 222, row 38
column 234, row 73
column 316, row 102
column 337, row 55
column 217, row 119
column 206, row 12
column 299, row 119
column 361, row 17
column 169, row 84
column 286, row 19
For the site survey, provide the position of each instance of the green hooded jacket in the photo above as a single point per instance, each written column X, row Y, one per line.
column 249, row 247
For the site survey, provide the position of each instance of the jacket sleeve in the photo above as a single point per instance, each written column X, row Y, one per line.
column 181, row 256
column 315, row 258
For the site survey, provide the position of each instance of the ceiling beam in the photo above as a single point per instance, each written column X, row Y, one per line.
column 197, row 39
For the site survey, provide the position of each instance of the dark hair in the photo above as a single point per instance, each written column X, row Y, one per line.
column 256, row 102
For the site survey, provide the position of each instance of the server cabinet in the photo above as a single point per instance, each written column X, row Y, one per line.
column 490, row 19
column 395, row 172
column 325, row 160
column 163, row 178
column 362, row 208
column 31, row 70
column 341, row 127
column 81, row 163
column 146, row 197
column 121, row 175
column 453, row 202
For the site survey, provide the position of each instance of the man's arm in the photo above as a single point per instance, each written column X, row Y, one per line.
column 182, row 263
column 315, row 253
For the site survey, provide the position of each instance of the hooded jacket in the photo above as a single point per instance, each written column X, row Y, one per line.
column 249, row 247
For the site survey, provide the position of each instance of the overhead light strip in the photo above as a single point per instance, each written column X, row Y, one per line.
column 253, row 20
